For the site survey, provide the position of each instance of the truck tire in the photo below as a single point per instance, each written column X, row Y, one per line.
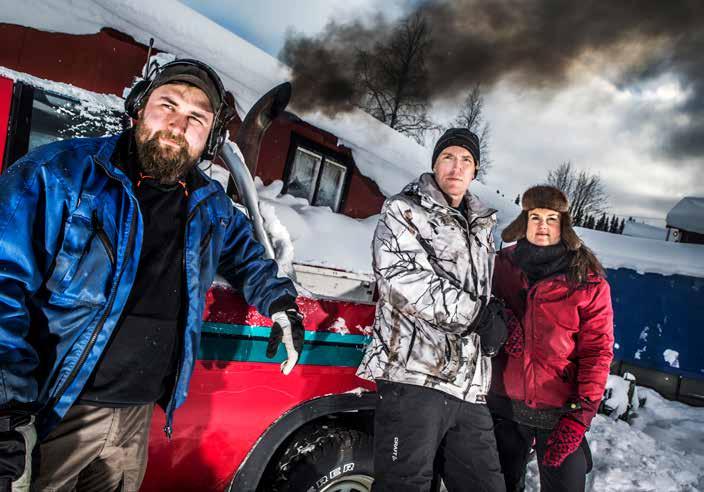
column 327, row 460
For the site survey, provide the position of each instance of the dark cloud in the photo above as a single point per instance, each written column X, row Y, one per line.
column 533, row 43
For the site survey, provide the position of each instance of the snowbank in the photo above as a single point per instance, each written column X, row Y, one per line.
column 617, row 401
column 321, row 237
column 645, row 255
column 661, row 450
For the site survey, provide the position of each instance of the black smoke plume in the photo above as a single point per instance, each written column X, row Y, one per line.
column 531, row 43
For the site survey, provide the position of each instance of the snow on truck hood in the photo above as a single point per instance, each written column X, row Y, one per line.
column 390, row 159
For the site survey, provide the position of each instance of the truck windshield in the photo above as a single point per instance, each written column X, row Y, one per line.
column 56, row 117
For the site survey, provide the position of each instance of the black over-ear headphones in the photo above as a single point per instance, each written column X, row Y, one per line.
column 223, row 114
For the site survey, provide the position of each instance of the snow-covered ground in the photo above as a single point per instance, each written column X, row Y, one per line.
column 349, row 248
column 662, row 449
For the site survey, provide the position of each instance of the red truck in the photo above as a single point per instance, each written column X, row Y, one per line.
column 245, row 426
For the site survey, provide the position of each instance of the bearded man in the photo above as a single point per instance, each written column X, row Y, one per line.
column 108, row 246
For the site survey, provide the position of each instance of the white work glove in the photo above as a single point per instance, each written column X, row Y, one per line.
column 288, row 328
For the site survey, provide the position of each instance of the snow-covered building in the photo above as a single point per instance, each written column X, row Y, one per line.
column 637, row 229
column 50, row 82
column 685, row 222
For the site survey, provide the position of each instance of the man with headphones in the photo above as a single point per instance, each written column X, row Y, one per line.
column 108, row 246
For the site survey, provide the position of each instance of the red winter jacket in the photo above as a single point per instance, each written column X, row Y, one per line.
column 568, row 340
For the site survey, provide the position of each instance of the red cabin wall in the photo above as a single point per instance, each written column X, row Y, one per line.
column 364, row 197
column 274, row 151
column 106, row 62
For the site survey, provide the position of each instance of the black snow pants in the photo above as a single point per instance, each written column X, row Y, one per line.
column 421, row 432
column 514, row 442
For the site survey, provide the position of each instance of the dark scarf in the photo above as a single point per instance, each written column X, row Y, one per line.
column 539, row 262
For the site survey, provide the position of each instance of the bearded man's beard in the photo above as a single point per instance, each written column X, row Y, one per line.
column 165, row 164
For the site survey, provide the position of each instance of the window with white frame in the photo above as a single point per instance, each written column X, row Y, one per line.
column 316, row 177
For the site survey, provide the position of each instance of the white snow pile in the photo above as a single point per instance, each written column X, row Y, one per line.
column 661, row 450
column 323, row 238
column 319, row 236
column 617, row 401
column 645, row 255
column 340, row 327
column 671, row 357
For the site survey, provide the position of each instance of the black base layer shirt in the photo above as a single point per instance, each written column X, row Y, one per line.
column 139, row 363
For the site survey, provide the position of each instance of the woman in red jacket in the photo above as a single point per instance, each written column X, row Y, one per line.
column 550, row 377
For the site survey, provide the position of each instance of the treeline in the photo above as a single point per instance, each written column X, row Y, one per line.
column 603, row 223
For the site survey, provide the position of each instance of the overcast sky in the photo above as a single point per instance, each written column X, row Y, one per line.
column 593, row 119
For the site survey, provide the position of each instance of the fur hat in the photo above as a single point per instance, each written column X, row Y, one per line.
column 549, row 197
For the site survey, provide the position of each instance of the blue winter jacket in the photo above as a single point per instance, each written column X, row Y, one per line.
column 70, row 240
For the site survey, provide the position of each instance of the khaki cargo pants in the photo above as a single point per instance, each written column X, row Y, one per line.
column 95, row 449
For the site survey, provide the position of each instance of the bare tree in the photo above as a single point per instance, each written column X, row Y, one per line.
column 562, row 178
column 471, row 116
column 585, row 191
column 394, row 77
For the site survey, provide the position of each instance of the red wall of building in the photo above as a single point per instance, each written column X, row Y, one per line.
column 364, row 197
column 107, row 62
column 104, row 62
column 5, row 100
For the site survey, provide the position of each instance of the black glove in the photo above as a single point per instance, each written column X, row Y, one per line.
column 492, row 327
column 288, row 328
column 16, row 434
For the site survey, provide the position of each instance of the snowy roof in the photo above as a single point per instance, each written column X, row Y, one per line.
column 637, row 229
column 688, row 214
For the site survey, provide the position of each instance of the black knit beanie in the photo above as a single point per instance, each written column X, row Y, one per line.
column 460, row 137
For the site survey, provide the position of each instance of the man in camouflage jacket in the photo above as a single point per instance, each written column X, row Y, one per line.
column 433, row 260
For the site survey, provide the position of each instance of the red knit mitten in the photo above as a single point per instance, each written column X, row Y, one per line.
column 564, row 440
column 514, row 342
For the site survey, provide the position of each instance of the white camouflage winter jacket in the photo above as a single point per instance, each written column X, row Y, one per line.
column 433, row 278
